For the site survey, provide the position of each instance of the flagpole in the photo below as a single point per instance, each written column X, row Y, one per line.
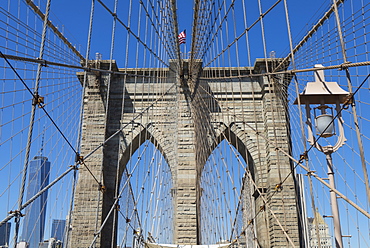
column 186, row 56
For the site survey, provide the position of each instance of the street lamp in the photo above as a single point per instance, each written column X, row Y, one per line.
column 326, row 95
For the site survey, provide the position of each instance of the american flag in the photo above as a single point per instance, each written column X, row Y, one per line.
column 182, row 37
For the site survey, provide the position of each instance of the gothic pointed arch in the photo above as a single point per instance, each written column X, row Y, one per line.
column 236, row 135
column 226, row 182
column 135, row 135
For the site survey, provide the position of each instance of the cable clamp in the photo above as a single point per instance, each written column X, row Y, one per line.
column 102, row 188
column 250, row 222
column 42, row 62
column 17, row 213
column 38, row 100
column 327, row 216
column 309, row 173
column 279, row 187
column 348, row 101
column 79, row 159
column 302, row 157
column 344, row 66
column 262, row 208
column 74, row 166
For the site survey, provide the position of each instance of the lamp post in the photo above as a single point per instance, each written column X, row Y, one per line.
column 323, row 95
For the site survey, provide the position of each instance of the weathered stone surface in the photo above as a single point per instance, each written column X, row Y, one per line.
column 236, row 109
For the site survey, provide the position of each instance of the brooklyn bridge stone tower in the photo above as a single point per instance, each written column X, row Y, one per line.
column 184, row 130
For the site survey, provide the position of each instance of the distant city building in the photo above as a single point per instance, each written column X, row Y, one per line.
column 22, row 244
column 34, row 220
column 44, row 244
column 4, row 234
column 323, row 231
column 51, row 243
column 58, row 229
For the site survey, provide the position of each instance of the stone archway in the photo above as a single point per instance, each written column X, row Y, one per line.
column 175, row 127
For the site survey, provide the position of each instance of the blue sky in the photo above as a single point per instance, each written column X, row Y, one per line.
column 72, row 18
column 75, row 22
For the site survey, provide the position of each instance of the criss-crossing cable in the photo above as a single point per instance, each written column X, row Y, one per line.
column 143, row 112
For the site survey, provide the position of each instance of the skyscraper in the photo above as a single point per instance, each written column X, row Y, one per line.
column 34, row 220
column 4, row 234
column 322, row 231
column 58, row 229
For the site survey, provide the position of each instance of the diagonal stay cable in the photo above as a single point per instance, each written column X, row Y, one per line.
column 36, row 98
column 210, row 26
column 164, row 42
column 32, row 199
column 206, row 27
column 348, row 101
column 175, row 32
column 207, row 44
column 243, row 33
column 59, row 130
column 114, row 204
column 266, row 201
column 36, row 9
column 310, row 33
column 345, row 105
column 295, row 71
column 132, row 121
column 299, row 162
column 85, row 68
column 132, row 33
